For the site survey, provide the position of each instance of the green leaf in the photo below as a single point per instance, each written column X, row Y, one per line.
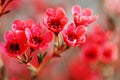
column 40, row 58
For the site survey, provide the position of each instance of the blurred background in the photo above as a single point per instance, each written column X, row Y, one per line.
column 103, row 39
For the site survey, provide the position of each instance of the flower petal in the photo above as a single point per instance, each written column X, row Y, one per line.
column 48, row 36
column 29, row 22
column 60, row 13
column 63, row 21
column 92, row 19
column 87, row 12
column 50, row 12
column 20, row 36
column 37, row 29
column 9, row 36
column 28, row 33
column 17, row 24
column 76, row 10
column 80, row 30
column 44, row 21
column 71, row 28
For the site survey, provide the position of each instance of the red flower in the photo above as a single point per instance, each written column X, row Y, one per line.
column 99, row 35
column 56, row 19
column 108, row 52
column 74, row 36
column 36, row 39
column 83, row 17
column 90, row 53
column 81, row 71
column 15, row 43
column 20, row 25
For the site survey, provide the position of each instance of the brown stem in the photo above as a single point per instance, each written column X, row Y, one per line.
column 41, row 66
column 3, row 9
column 55, row 47
column 3, row 72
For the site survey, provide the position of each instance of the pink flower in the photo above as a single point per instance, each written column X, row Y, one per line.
column 74, row 36
column 98, row 35
column 56, row 19
column 20, row 25
column 90, row 53
column 83, row 17
column 15, row 43
column 108, row 52
column 36, row 39
column 81, row 71
column 112, row 6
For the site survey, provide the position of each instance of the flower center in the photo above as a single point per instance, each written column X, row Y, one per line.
column 36, row 40
column 71, row 37
column 91, row 55
column 107, row 53
column 14, row 47
column 55, row 24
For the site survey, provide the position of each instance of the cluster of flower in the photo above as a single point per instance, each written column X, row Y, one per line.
column 98, row 50
column 82, row 71
column 99, row 47
column 27, row 35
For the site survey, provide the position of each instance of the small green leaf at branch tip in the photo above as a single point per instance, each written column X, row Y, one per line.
column 40, row 58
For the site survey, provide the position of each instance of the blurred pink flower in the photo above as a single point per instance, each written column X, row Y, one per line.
column 15, row 43
column 74, row 36
column 98, row 44
column 56, row 19
column 98, row 35
column 81, row 71
column 112, row 6
column 90, row 53
column 108, row 52
column 83, row 17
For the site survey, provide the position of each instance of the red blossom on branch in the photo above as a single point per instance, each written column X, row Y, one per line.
column 56, row 19
column 36, row 39
column 81, row 71
column 15, row 43
column 99, row 47
column 74, row 36
column 109, row 53
column 90, row 53
column 27, row 38
column 83, row 17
